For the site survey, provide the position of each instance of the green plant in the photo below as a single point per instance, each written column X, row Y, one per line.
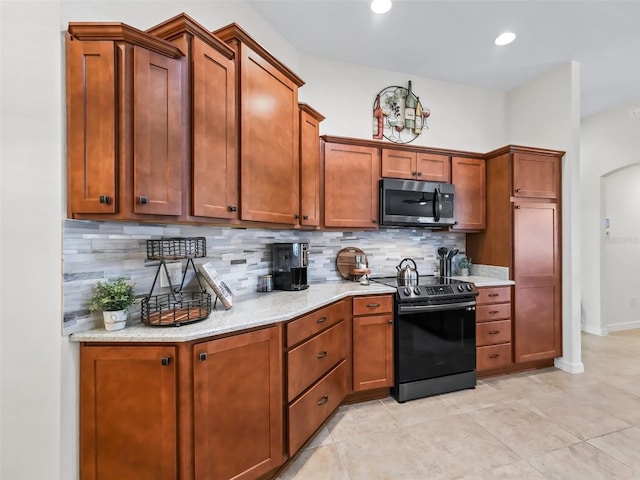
column 464, row 262
column 112, row 295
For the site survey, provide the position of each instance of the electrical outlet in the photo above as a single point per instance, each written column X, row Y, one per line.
column 175, row 273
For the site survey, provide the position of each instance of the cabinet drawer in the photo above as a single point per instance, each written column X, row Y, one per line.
column 312, row 359
column 491, row 333
column 493, row 295
column 372, row 305
column 309, row 412
column 488, row 313
column 307, row 326
column 493, row 356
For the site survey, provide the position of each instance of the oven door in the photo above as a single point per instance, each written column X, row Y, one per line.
column 434, row 341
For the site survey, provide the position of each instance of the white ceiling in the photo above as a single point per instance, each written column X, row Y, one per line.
column 452, row 40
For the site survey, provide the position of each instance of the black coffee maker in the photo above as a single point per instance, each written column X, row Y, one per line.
column 290, row 261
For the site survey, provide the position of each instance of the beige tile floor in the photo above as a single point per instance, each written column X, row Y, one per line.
column 546, row 424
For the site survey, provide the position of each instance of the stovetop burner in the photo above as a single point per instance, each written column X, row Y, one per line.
column 432, row 289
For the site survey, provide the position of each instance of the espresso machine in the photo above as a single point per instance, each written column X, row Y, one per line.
column 290, row 262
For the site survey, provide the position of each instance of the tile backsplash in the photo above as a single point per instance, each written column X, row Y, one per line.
column 95, row 251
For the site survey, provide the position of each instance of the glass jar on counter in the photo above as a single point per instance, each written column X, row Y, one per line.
column 265, row 283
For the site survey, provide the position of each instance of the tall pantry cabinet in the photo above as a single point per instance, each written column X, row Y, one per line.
column 523, row 232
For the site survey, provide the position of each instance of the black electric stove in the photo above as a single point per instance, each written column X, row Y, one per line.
column 432, row 290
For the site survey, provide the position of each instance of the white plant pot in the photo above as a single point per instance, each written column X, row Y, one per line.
column 115, row 320
column 464, row 272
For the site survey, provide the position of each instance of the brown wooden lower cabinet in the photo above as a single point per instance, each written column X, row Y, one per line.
column 238, row 418
column 372, row 342
column 128, row 412
column 493, row 328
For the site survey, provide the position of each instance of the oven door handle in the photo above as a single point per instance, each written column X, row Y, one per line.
column 404, row 309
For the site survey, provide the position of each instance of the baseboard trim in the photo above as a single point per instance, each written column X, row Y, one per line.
column 602, row 332
column 569, row 367
column 617, row 327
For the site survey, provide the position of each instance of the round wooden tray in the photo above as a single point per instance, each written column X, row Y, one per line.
column 346, row 264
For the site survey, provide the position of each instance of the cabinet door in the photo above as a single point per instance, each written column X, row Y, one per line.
column 469, row 177
column 215, row 158
column 432, row 167
column 351, row 185
column 91, row 127
column 309, row 169
column 398, row 164
column 536, row 175
column 238, row 406
column 269, row 142
column 372, row 352
column 128, row 413
column 158, row 148
column 537, row 311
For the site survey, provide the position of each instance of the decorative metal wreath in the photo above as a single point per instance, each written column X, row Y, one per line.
column 391, row 115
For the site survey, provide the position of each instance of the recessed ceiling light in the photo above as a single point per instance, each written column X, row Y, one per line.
column 381, row 6
column 505, row 38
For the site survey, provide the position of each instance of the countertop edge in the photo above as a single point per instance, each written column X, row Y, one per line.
column 277, row 307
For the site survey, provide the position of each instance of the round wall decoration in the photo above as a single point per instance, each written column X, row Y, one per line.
column 398, row 115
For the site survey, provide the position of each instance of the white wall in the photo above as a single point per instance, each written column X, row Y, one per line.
column 545, row 112
column 621, row 249
column 462, row 117
column 31, row 252
column 610, row 141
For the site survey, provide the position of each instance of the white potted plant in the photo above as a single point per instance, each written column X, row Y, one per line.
column 464, row 264
column 113, row 298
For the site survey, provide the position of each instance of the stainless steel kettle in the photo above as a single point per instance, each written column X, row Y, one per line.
column 407, row 276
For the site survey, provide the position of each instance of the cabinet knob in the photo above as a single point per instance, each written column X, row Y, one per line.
column 323, row 400
column 202, row 357
column 165, row 361
column 390, row 322
column 305, row 217
column 322, row 354
column 374, row 220
column 414, row 173
column 232, row 208
column 105, row 199
column 518, row 190
column 419, row 174
column 296, row 216
column 143, row 200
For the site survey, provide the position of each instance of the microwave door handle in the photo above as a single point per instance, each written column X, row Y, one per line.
column 437, row 205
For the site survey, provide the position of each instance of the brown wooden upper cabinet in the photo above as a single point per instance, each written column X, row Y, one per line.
column 211, row 79
column 469, row 177
column 536, row 175
column 268, row 131
column 414, row 165
column 351, row 175
column 309, row 166
column 125, row 143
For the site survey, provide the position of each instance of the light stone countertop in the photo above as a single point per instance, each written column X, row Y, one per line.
column 484, row 281
column 259, row 309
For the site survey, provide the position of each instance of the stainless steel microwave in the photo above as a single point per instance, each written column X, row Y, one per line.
column 410, row 203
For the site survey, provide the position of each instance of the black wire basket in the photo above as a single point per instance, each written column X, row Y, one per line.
column 176, row 248
column 177, row 307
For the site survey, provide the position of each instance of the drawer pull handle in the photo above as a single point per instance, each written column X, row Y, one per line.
column 165, row 361
column 494, row 294
column 518, row 190
column 493, row 312
column 322, row 354
column 495, row 355
column 321, row 320
column 323, row 400
column 373, row 305
column 202, row 357
column 494, row 332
